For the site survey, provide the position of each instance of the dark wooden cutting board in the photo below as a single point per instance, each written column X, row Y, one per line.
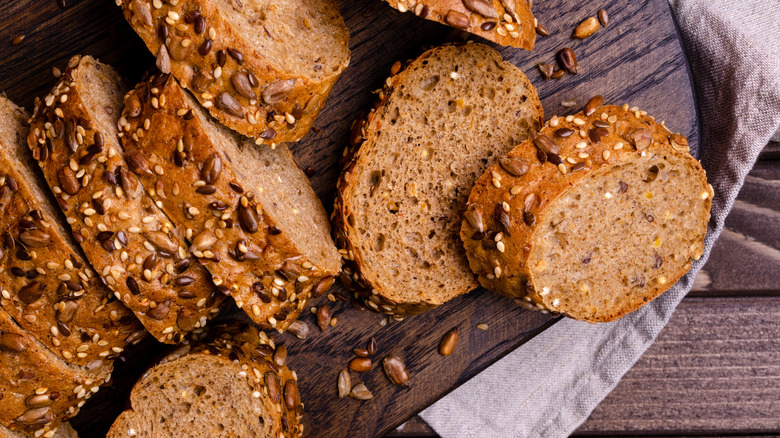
column 637, row 60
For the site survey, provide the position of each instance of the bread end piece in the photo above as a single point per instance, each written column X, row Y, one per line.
column 262, row 68
column 505, row 22
column 231, row 384
column 609, row 213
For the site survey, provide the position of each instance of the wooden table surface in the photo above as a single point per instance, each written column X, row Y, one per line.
column 636, row 60
column 715, row 369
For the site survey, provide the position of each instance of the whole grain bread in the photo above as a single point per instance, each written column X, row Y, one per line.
column 249, row 213
column 135, row 248
column 234, row 384
column 506, row 22
column 438, row 124
column 263, row 68
column 47, row 286
column 39, row 390
column 64, row 431
column 596, row 216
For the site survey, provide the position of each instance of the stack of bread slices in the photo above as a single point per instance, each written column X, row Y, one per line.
column 135, row 210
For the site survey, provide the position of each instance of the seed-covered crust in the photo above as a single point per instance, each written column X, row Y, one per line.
column 250, row 255
column 513, row 201
column 359, row 273
column 506, row 22
column 246, row 91
column 126, row 237
column 64, row 431
column 37, row 389
column 46, row 286
column 263, row 365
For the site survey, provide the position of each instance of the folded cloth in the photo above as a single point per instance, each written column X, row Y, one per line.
column 549, row 386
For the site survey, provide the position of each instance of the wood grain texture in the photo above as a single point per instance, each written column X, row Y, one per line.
column 713, row 370
column 636, row 60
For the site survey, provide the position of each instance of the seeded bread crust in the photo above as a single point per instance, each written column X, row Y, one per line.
column 506, row 22
column 245, row 90
column 127, row 238
column 46, row 285
column 358, row 274
column 38, row 390
column 64, row 431
column 250, row 255
column 507, row 208
column 274, row 399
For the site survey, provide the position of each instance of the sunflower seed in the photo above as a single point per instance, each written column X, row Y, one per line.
column 474, row 218
column 481, row 7
column 292, row 397
column 641, row 138
column 344, row 383
column 546, row 144
column 586, row 28
column 277, row 91
column 360, row 364
column 229, row 104
column 274, row 386
column 360, row 392
column 13, row 342
column 396, row 371
column 448, row 342
column 457, row 19
column 568, row 60
column 593, row 104
column 514, row 165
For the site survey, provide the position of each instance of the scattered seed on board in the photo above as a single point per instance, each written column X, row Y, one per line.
column 603, row 17
column 586, row 28
column 396, row 371
column 344, row 383
column 360, row 392
column 448, row 342
column 482, row 326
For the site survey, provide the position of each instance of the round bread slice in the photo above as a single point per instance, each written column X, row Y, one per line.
column 599, row 214
column 506, row 22
column 235, row 384
column 263, row 68
column 438, row 124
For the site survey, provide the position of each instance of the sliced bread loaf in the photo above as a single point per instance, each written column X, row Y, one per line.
column 136, row 249
column 506, row 22
column 249, row 213
column 263, row 68
column 39, row 390
column 438, row 124
column 236, row 384
column 47, row 287
column 599, row 214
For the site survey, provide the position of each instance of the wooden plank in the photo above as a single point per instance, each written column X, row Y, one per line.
column 715, row 369
column 637, row 60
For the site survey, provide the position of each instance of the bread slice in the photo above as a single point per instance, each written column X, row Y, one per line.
column 249, row 213
column 438, row 124
column 263, row 68
column 233, row 385
column 607, row 214
column 131, row 243
column 38, row 389
column 64, row 431
column 47, row 286
column 506, row 22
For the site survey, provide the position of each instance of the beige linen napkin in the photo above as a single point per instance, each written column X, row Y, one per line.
column 550, row 385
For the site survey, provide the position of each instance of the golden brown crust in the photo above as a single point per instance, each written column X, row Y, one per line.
column 239, row 345
column 37, row 390
column 547, row 177
column 125, row 236
column 506, row 22
column 296, row 100
column 47, row 287
column 253, row 260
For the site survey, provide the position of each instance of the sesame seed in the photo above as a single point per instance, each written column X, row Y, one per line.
column 497, row 271
column 569, row 118
column 581, row 145
column 482, row 326
column 554, row 121
column 515, row 190
column 618, row 146
column 562, row 168
column 500, row 246
column 606, row 154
